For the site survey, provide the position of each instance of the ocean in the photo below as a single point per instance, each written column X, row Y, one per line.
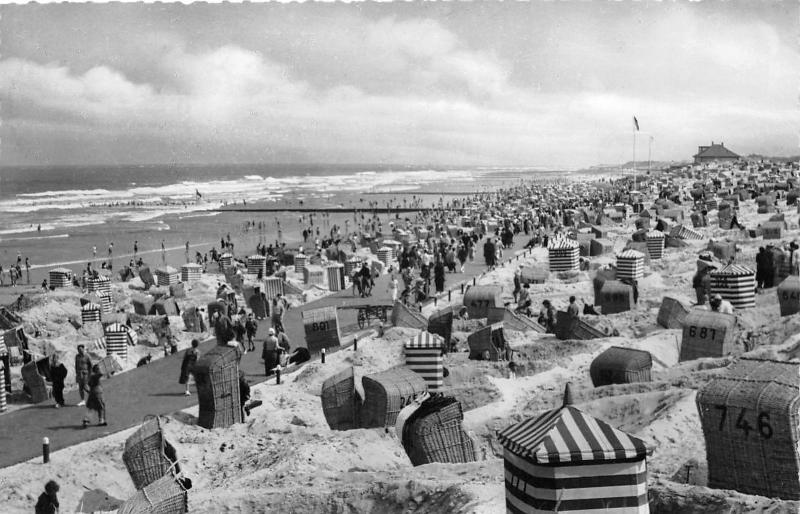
column 58, row 215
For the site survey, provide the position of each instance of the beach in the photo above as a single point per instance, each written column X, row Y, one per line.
column 288, row 442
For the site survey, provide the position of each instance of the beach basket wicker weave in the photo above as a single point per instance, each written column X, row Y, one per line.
column 441, row 324
column 109, row 365
column 217, row 377
column 387, row 392
column 751, row 421
column 619, row 365
column 615, row 297
column 144, row 453
column 569, row 328
column 487, row 343
column 513, row 321
column 789, row 295
column 479, row 299
column 434, row 433
column 532, row 275
column 672, row 313
column 402, row 316
column 38, row 389
column 164, row 496
column 707, row 334
column 339, row 403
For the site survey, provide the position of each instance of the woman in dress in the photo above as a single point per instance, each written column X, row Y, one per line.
column 95, row 401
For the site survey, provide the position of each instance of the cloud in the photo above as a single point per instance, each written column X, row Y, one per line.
column 409, row 91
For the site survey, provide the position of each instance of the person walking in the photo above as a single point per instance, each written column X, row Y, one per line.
column 187, row 366
column 251, row 327
column 58, row 373
column 95, row 402
column 28, row 270
column 48, row 500
column 270, row 352
column 83, row 366
column 277, row 313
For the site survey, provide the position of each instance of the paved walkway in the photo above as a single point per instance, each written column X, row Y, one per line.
column 154, row 389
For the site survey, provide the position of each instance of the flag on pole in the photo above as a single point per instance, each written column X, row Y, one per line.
column 635, row 123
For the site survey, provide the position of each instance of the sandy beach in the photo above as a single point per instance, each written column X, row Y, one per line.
column 287, row 441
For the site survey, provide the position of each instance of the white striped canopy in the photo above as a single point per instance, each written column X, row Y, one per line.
column 630, row 254
column 654, row 234
column 168, row 270
column 562, row 244
column 425, row 340
column 734, row 270
column 90, row 306
column 133, row 337
column 567, row 435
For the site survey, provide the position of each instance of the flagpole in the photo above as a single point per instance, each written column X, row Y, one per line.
column 635, row 181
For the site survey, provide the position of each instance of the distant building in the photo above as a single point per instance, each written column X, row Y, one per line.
column 715, row 152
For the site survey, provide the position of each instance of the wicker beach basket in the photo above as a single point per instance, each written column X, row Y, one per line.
column 144, row 453
column 619, row 365
column 387, row 392
column 534, row 275
column 487, row 343
column 707, row 334
column 789, row 295
column 339, row 402
column 434, row 433
column 402, row 316
column 751, row 420
column 38, row 389
column 109, row 365
column 441, row 324
column 164, row 496
column 479, row 299
column 672, row 313
column 615, row 297
column 217, row 377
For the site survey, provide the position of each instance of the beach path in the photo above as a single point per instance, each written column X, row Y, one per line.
column 154, row 388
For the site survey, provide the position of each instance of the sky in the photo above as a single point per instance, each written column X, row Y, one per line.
column 483, row 83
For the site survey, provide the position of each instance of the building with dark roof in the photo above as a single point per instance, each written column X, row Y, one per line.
column 715, row 152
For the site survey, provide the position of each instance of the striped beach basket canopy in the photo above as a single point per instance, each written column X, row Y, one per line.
column 654, row 234
column 190, row 271
column 631, row 255
column 425, row 340
column 562, row 243
column 735, row 283
column 684, row 232
column 567, row 461
column 90, row 312
column 99, row 283
column 424, row 357
column 568, row 436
